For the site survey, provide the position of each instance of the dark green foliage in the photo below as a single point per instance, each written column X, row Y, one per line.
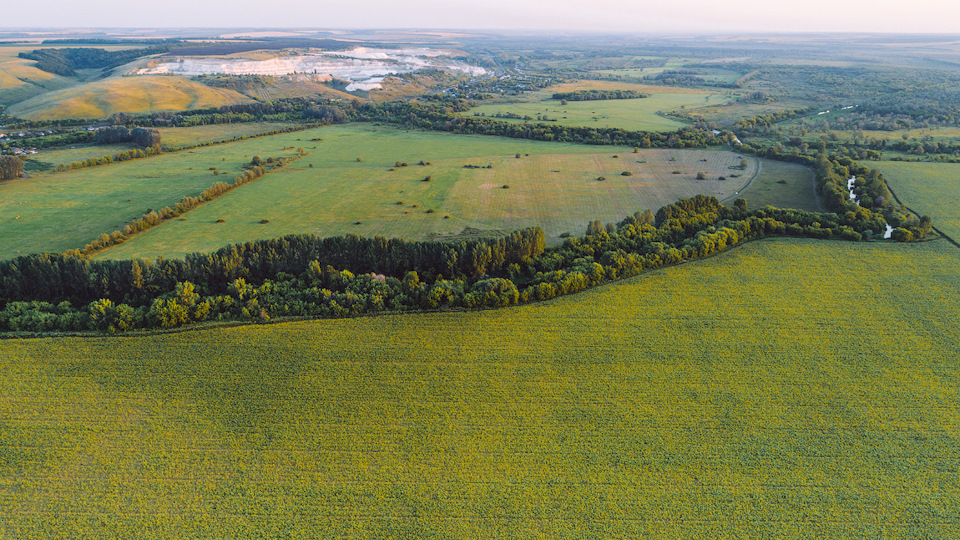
column 145, row 138
column 596, row 95
column 10, row 167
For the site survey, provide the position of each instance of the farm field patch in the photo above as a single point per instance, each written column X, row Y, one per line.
column 928, row 188
column 703, row 399
column 555, row 187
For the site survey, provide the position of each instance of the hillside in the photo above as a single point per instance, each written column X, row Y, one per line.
column 142, row 94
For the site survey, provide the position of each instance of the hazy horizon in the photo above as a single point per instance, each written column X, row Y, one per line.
column 615, row 16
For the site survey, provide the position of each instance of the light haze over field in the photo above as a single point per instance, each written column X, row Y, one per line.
column 643, row 16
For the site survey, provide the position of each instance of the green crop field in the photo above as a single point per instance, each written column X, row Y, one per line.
column 632, row 114
column 705, row 400
column 555, row 187
column 928, row 188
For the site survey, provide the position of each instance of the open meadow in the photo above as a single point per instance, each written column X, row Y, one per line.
column 702, row 400
column 631, row 114
column 554, row 186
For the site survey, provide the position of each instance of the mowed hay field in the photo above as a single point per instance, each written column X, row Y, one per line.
column 554, row 187
column 631, row 114
column 135, row 94
column 928, row 188
column 704, row 400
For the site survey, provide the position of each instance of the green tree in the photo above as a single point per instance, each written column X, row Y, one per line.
column 10, row 167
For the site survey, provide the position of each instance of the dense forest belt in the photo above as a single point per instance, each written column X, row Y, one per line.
column 308, row 276
column 599, row 95
column 150, row 220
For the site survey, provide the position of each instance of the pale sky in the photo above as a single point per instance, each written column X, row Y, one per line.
column 640, row 16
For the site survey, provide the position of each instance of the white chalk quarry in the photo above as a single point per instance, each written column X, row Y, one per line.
column 363, row 68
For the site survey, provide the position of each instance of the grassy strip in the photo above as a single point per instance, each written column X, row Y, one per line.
column 154, row 151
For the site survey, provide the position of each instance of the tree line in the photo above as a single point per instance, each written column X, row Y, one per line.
column 11, row 167
column 597, row 95
column 307, row 276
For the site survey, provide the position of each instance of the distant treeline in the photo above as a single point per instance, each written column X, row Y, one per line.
column 67, row 61
column 598, row 95
column 307, row 276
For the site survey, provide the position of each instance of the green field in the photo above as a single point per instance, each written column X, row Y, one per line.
column 175, row 136
column 928, row 188
column 631, row 114
column 65, row 155
column 60, row 211
column 183, row 136
column 705, row 400
column 555, row 187
column 784, row 185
